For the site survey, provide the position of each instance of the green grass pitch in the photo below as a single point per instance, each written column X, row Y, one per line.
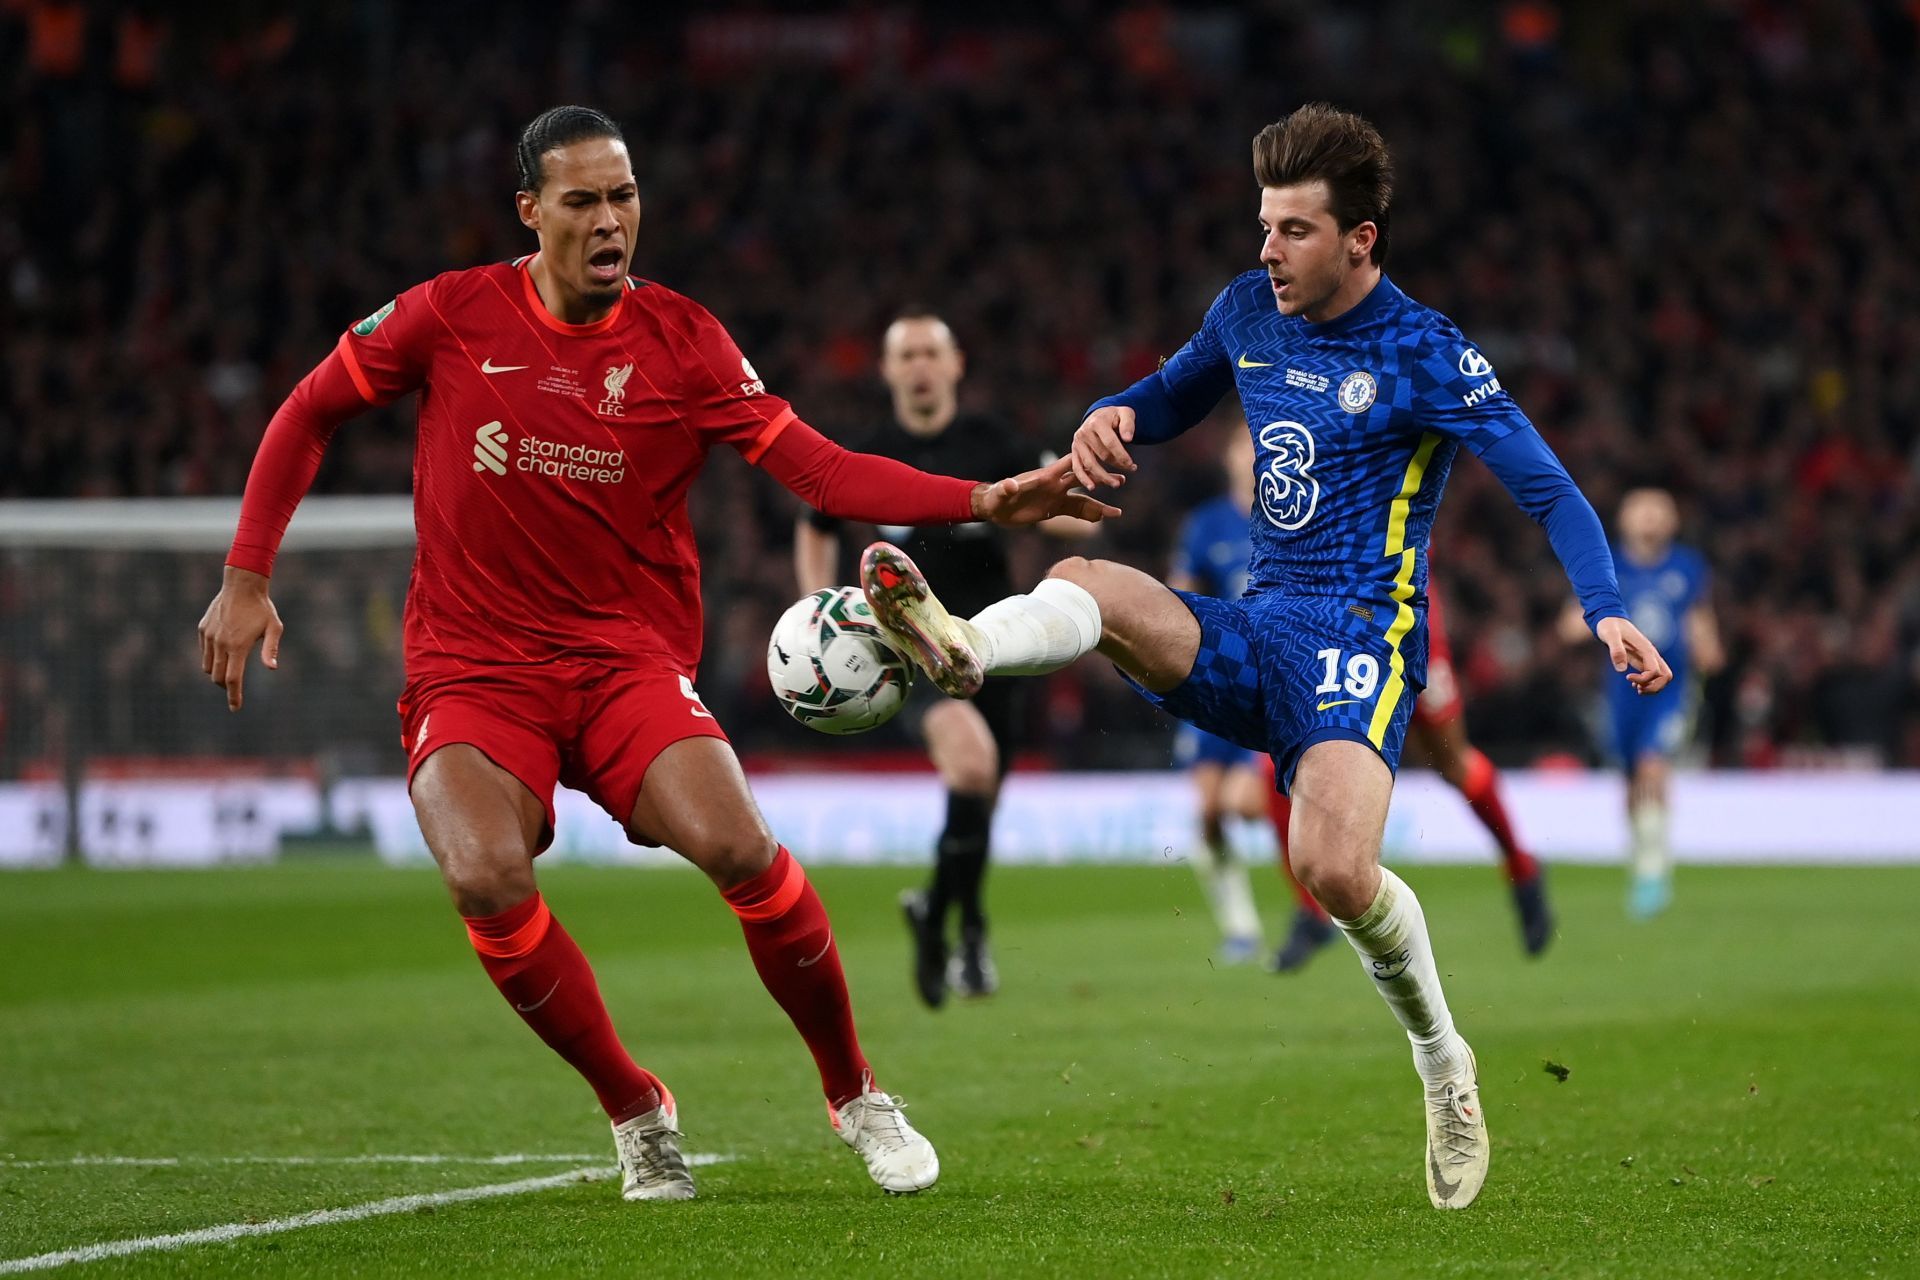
column 1741, row 1097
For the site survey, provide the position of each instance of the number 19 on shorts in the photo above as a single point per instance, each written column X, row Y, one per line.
column 1362, row 673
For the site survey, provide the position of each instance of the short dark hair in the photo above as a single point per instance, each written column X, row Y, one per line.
column 1321, row 142
column 558, row 127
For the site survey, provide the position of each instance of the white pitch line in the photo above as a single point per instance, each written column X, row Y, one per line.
column 317, row 1218
column 169, row 1162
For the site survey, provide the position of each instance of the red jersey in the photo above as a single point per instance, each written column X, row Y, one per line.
column 553, row 461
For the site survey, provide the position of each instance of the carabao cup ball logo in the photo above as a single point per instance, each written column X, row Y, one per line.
column 1288, row 493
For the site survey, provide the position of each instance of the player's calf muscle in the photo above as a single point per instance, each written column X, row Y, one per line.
column 1144, row 627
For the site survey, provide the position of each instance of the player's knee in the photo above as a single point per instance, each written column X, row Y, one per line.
column 1079, row 570
column 1344, row 886
column 732, row 855
column 485, row 883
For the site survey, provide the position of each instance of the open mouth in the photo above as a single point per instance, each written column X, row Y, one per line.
column 604, row 264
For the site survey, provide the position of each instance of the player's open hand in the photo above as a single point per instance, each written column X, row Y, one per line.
column 1100, row 458
column 239, row 617
column 1040, row 494
column 1628, row 648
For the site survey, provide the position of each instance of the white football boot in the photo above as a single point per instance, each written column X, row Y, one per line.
column 1457, row 1145
column 943, row 646
column 651, row 1166
column 899, row 1159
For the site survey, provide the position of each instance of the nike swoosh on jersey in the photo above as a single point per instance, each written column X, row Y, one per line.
column 1254, row 364
column 488, row 366
column 1341, row 703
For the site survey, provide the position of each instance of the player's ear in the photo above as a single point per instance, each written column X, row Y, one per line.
column 527, row 204
column 1364, row 236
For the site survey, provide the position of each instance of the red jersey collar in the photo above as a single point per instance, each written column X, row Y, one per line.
column 554, row 322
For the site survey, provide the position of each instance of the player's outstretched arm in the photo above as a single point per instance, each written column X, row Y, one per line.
column 242, row 615
column 1540, row 484
column 877, row 490
column 1038, row 495
column 1162, row 405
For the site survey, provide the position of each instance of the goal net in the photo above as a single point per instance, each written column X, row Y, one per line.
column 115, row 747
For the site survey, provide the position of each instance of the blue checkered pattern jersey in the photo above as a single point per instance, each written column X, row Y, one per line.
column 1355, row 425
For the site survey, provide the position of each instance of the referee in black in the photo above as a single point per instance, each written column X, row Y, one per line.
column 971, row 742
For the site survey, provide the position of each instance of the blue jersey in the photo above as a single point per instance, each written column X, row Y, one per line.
column 1216, row 545
column 1355, row 425
column 1658, row 597
column 1356, row 422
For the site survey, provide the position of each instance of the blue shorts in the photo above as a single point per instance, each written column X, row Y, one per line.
column 1193, row 746
column 1656, row 725
column 1276, row 674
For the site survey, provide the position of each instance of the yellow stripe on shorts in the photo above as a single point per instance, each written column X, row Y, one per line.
column 1402, row 588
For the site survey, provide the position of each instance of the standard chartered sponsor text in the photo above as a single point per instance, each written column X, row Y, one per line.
column 571, row 461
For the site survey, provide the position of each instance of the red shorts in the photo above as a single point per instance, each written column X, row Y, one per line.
column 594, row 727
column 1440, row 702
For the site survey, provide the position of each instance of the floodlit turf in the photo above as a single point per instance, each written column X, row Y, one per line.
column 1741, row 1097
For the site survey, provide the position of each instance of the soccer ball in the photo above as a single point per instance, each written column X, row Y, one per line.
column 832, row 666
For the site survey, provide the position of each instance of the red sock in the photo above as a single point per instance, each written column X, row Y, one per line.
column 791, row 942
column 1280, row 810
column 541, row 972
column 1482, row 790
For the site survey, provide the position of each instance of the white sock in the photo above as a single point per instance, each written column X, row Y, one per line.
column 1223, row 878
column 1652, row 858
column 1393, row 945
column 1039, row 632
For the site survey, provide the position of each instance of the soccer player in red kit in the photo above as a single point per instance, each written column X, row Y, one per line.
column 1439, row 727
column 553, row 623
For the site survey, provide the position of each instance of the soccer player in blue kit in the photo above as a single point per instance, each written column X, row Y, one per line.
column 1360, row 398
column 1664, row 585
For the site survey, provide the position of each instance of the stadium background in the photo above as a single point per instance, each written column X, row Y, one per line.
column 1683, row 234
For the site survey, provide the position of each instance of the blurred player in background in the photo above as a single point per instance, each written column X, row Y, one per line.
column 1438, row 729
column 1665, row 587
column 1211, row 560
column 553, row 622
column 972, row 742
column 1363, row 396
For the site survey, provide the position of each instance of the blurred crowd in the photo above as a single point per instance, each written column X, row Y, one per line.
column 1685, row 236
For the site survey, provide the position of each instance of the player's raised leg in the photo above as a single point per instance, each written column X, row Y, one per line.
column 1083, row 605
column 1340, row 793
column 483, row 825
column 694, row 799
